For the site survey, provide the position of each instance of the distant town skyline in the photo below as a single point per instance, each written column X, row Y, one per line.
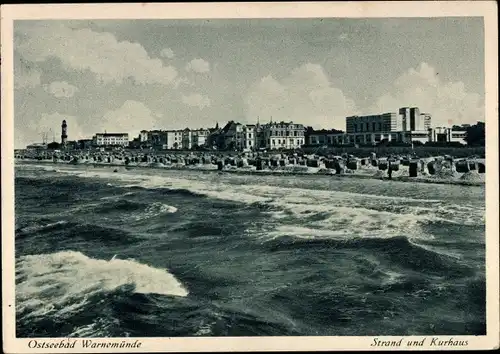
column 129, row 75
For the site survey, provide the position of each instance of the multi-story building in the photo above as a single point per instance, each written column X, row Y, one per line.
column 174, row 139
column 143, row 136
column 326, row 137
column 448, row 135
column 199, row 137
column 85, row 144
column 386, row 122
column 408, row 125
column 412, row 119
column 155, row 138
column 233, row 136
column 282, row 135
column 249, row 136
column 110, row 139
column 427, row 120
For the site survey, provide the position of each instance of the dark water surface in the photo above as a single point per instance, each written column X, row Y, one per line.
column 184, row 253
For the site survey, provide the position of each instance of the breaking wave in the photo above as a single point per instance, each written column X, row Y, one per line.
column 62, row 282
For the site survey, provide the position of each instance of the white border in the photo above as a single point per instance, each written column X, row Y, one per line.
column 486, row 9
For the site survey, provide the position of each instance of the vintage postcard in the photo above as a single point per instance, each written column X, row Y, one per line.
column 250, row 177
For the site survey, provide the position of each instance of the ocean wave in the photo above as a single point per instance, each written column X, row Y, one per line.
column 60, row 283
column 154, row 210
column 135, row 210
column 42, row 227
column 400, row 250
column 337, row 211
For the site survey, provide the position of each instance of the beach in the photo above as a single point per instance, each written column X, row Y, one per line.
column 436, row 169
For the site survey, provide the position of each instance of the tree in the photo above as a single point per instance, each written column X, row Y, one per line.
column 476, row 134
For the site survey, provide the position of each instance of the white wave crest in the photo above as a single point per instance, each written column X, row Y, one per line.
column 335, row 212
column 38, row 227
column 156, row 209
column 62, row 282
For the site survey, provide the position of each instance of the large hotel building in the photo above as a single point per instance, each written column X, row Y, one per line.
column 407, row 125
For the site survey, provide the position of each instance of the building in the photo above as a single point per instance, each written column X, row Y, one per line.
column 143, row 136
column 36, row 147
column 199, row 137
column 232, row 136
column 326, row 137
column 406, row 126
column 386, row 122
column 157, row 139
column 85, row 144
column 427, row 120
column 412, row 119
column 282, row 135
column 111, row 139
column 448, row 135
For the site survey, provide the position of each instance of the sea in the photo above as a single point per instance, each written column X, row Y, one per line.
column 181, row 253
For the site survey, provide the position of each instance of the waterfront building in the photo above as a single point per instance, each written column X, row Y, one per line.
column 199, row 137
column 84, row 144
column 143, row 136
column 282, row 135
column 448, row 135
column 36, row 147
column 326, row 137
column 427, row 118
column 249, row 138
column 232, row 136
column 378, row 123
column 406, row 126
column 111, row 139
column 155, row 138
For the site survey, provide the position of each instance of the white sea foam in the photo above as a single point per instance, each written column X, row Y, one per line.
column 38, row 227
column 156, row 209
column 59, row 283
column 332, row 213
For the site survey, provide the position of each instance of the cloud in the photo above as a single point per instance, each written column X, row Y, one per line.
column 61, row 89
column 447, row 102
column 100, row 52
column 131, row 117
column 167, row 53
column 196, row 100
column 306, row 95
column 26, row 77
column 181, row 80
column 198, row 65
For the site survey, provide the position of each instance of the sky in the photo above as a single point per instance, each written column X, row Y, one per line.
column 129, row 75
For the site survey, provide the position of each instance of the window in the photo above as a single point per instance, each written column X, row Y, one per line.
column 380, row 126
column 367, row 127
column 274, row 142
column 294, row 133
column 374, row 127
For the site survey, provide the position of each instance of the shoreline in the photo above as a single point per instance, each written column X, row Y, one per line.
column 278, row 171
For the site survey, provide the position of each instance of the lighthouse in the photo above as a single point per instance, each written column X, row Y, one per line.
column 64, row 133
